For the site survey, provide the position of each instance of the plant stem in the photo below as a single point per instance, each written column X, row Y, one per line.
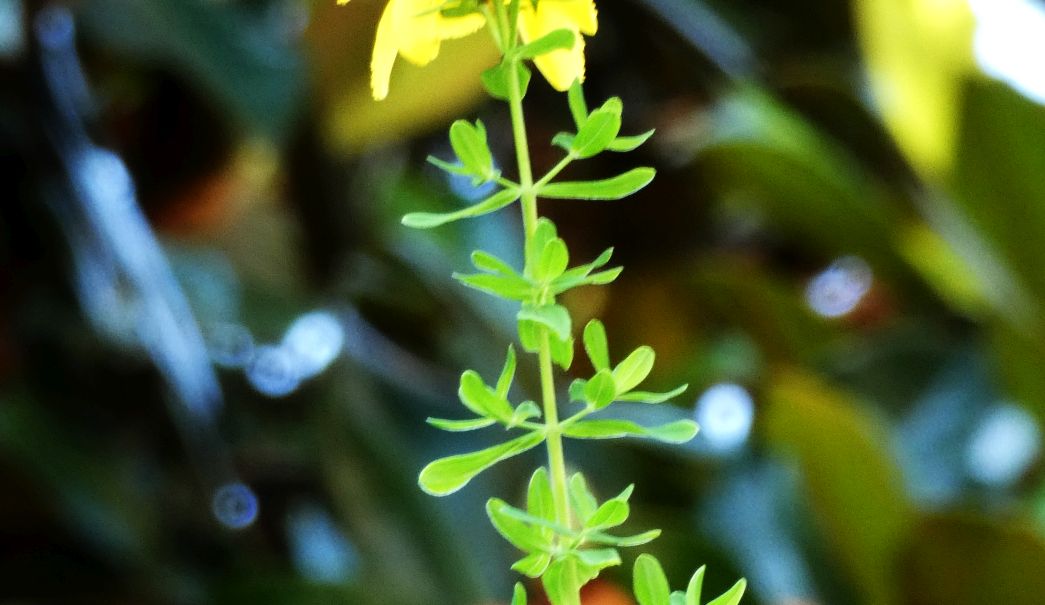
column 528, row 202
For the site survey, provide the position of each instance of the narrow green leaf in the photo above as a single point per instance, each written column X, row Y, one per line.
column 484, row 261
column 522, row 535
column 457, row 426
column 598, row 131
column 510, row 287
column 647, row 397
column 612, row 512
column 481, row 399
column 614, row 188
column 554, row 317
column 519, row 595
column 539, row 502
column 679, row 431
column 731, row 596
column 695, row 585
column 469, row 143
column 634, row 369
column 427, row 220
column 525, row 411
column 533, row 564
column 623, row 541
column 447, row 475
column 650, row 583
column 578, row 107
column 624, row 144
column 596, row 345
column 447, row 166
column 560, row 39
column 571, row 280
column 504, row 381
column 584, row 503
column 600, row 390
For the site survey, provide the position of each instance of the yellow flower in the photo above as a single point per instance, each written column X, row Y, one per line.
column 413, row 29
column 560, row 67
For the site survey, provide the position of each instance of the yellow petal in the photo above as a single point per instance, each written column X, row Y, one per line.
column 562, row 67
column 385, row 50
column 417, row 29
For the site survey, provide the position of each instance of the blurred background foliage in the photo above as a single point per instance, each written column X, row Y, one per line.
column 841, row 255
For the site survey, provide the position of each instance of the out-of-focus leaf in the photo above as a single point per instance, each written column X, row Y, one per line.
column 997, row 179
column 221, row 48
column 975, row 561
column 854, row 487
column 918, row 52
column 760, row 151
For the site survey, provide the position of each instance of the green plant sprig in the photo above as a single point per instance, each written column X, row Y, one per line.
column 563, row 529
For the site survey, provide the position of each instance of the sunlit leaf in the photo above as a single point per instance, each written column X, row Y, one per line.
column 447, row 475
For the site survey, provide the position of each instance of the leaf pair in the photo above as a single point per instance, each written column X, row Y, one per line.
column 651, row 586
column 498, row 79
column 615, row 383
column 562, row 556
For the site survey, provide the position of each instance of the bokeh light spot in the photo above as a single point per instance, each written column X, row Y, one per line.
column 1003, row 446
column 725, row 413
column 839, row 288
column 235, row 506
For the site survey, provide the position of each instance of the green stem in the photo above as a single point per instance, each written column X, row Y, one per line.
column 556, row 458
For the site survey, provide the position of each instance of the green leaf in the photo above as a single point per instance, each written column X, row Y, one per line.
column 533, row 564
column 519, row 595
column 447, row 166
column 524, row 412
column 447, row 475
column 469, row 143
column 694, row 588
column 522, row 535
column 598, row 558
column 511, row 287
column 598, row 131
column 614, row 188
column 484, row 261
column 504, row 381
column 647, row 397
column 497, row 80
column 623, row 144
column 624, row 541
column 564, row 140
column 560, row 39
column 650, row 583
column 612, row 512
column 554, row 317
column 457, row 426
column 544, row 233
column 561, row 351
column 577, row 389
column 552, row 260
column 634, row 369
column 584, row 503
column 677, row 598
column 679, row 431
column 596, row 345
column 427, row 220
column 600, row 390
column 562, row 582
column 731, row 596
column 481, row 399
column 539, row 500
column 530, row 335
column 578, row 107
